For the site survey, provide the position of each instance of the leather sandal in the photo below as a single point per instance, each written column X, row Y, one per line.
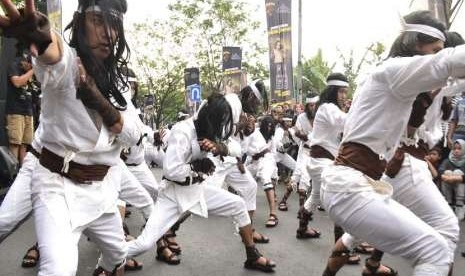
column 171, row 259
column 336, row 254
column 373, row 270
column 282, row 206
column 354, row 259
column 272, row 221
column 30, row 260
column 364, row 248
column 261, row 239
column 135, row 265
column 303, row 234
column 253, row 255
column 172, row 245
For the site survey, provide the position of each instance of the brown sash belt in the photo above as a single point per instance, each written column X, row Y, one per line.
column 317, row 151
column 77, row 172
column 361, row 158
column 260, row 154
column 419, row 152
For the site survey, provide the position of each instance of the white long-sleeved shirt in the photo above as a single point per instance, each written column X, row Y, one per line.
column 327, row 127
column 382, row 105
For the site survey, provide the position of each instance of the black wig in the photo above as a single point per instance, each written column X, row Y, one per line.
column 108, row 75
column 214, row 120
column 453, row 39
column 250, row 103
column 329, row 94
column 406, row 43
column 267, row 127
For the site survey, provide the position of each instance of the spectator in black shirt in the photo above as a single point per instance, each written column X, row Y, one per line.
column 19, row 106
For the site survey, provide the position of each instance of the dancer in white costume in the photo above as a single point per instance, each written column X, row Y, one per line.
column 184, row 169
column 301, row 132
column 354, row 198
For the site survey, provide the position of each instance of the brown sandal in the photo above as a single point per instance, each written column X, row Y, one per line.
column 30, row 260
column 172, row 245
column 253, row 255
column 272, row 221
column 171, row 258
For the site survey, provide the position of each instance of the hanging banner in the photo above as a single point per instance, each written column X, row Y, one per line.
column 54, row 15
column 191, row 76
column 232, row 59
column 278, row 15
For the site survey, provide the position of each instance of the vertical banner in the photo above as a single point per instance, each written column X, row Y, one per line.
column 191, row 76
column 278, row 15
column 232, row 59
column 54, row 15
column 192, row 82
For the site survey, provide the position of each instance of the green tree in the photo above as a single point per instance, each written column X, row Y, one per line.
column 159, row 68
column 208, row 25
column 314, row 73
column 372, row 56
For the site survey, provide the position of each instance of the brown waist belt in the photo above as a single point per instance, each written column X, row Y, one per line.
column 361, row 158
column 394, row 165
column 418, row 152
column 77, row 172
column 260, row 154
column 317, row 151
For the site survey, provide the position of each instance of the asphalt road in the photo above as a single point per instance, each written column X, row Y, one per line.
column 211, row 247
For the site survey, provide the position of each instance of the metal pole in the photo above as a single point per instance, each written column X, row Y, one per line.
column 299, row 58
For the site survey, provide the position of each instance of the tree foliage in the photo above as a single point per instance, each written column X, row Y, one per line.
column 372, row 56
column 314, row 73
column 208, row 25
column 159, row 68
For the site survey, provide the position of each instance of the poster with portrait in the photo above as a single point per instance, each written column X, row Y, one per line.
column 54, row 15
column 278, row 14
column 232, row 60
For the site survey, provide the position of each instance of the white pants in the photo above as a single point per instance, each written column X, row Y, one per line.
column 133, row 193
column 263, row 170
column 17, row 204
column 145, row 177
column 386, row 224
column 243, row 183
column 415, row 189
column 219, row 202
column 314, row 168
column 300, row 175
column 58, row 242
column 285, row 159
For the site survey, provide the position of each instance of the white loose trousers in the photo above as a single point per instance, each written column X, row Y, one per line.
column 383, row 222
column 219, row 202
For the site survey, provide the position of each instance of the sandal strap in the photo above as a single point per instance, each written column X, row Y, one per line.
column 252, row 253
column 341, row 253
column 273, row 217
column 370, row 267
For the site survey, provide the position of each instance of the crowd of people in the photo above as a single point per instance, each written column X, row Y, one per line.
column 392, row 185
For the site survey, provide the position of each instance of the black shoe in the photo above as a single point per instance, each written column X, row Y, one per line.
column 463, row 254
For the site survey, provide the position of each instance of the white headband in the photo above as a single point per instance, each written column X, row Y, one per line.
column 312, row 100
column 338, row 83
column 425, row 29
column 255, row 90
column 132, row 79
column 96, row 8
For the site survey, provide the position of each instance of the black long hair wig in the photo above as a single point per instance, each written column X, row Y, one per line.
column 250, row 103
column 329, row 94
column 108, row 75
column 267, row 127
column 214, row 120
